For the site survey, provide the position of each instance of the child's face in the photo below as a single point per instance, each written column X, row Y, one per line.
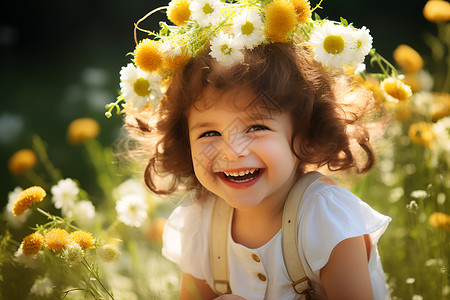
column 243, row 156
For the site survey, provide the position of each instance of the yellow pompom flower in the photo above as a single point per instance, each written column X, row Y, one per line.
column 178, row 12
column 303, row 10
column 395, row 90
column 31, row 244
column 56, row 239
column 281, row 18
column 421, row 133
column 81, row 130
column 408, row 58
column 26, row 198
column 21, row 161
column 437, row 11
column 175, row 61
column 440, row 220
column 441, row 106
column 147, row 55
column 82, row 238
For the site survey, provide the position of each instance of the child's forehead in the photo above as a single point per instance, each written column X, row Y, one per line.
column 238, row 99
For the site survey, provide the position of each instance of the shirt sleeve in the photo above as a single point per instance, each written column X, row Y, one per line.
column 185, row 238
column 330, row 215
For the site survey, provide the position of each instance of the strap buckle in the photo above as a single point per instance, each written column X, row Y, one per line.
column 302, row 286
column 222, row 286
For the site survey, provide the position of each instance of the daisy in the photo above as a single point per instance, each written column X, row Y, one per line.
column 132, row 210
column 225, row 49
column 205, row 12
column 333, row 44
column 362, row 46
column 248, row 28
column 83, row 212
column 65, row 193
column 139, row 87
column 395, row 90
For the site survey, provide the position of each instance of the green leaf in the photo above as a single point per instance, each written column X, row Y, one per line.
column 344, row 21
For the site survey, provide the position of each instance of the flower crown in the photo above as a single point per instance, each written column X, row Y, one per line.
column 229, row 27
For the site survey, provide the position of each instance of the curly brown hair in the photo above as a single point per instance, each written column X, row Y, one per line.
column 285, row 73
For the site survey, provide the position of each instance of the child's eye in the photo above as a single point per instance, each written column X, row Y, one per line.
column 256, row 128
column 209, row 133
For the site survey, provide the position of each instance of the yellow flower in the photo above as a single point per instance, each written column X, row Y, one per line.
column 31, row 244
column 303, row 10
column 147, row 55
column 175, row 62
column 408, row 58
column 441, row 106
column 81, row 130
column 281, row 19
column 56, row 239
column 26, row 198
column 438, row 219
column 437, row 11
column 178, row 11
column 82, row 238
column 421, row 133
column 395, row 90
column 21, row 161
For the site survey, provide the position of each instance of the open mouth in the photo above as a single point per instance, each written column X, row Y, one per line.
column 242, row 176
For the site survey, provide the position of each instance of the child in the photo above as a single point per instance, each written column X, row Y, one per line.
column 245, row 129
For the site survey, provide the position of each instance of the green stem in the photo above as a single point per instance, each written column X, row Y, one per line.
column 91, row 271
column 41, row 150
column 57, row 220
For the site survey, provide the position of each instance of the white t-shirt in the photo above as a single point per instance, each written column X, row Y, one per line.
column 329, row 215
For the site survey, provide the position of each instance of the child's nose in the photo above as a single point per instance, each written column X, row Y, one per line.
column 235, row 147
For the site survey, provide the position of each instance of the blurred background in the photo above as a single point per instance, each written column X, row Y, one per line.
column 60, row 60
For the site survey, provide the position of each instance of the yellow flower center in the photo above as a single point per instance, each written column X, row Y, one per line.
column 396, row 91
column 358, row 44
column 141, row 87
column 247, row 28
column 333, row 44
column 225, row 49
column 207, row 9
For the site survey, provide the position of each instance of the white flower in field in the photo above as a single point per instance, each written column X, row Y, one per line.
column 248, row 29
column 362, row 45
column 15, row 221
column 334, row 44
column 72, row 254
column 419, row 194
column 140, row 87
column 410, row 280
column 205, row 12
column 225, row 49
column 83, row 212
column 132, row 210
column 130, row 186
column 28, row 261
column 417, row 297
column 109, row 253
column 412, row 206
column 360, row 68
column 43, row 286
column 441, row 130
column 65, row 193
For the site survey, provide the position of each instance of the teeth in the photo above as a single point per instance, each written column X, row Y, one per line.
column 241, row 173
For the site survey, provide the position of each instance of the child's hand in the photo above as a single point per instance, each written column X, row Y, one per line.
column 229, row 297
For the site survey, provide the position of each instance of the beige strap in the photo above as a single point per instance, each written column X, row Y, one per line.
column 220, row 224
column 289, row 237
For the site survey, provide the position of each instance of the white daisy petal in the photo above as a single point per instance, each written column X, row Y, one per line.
column 205, row 12
column 140, row 87
column 362, row 46
column 225, row 49
column 132, row 210
column 333, row 44
column 248, row 28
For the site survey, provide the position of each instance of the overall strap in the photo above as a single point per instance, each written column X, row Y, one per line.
column 218, row 249
column 289, row 237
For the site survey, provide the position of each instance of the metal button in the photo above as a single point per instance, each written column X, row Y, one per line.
column 255, row 257
column 262, row 277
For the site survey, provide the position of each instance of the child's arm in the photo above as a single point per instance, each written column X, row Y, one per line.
column 346, row 275
column 195, row 289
